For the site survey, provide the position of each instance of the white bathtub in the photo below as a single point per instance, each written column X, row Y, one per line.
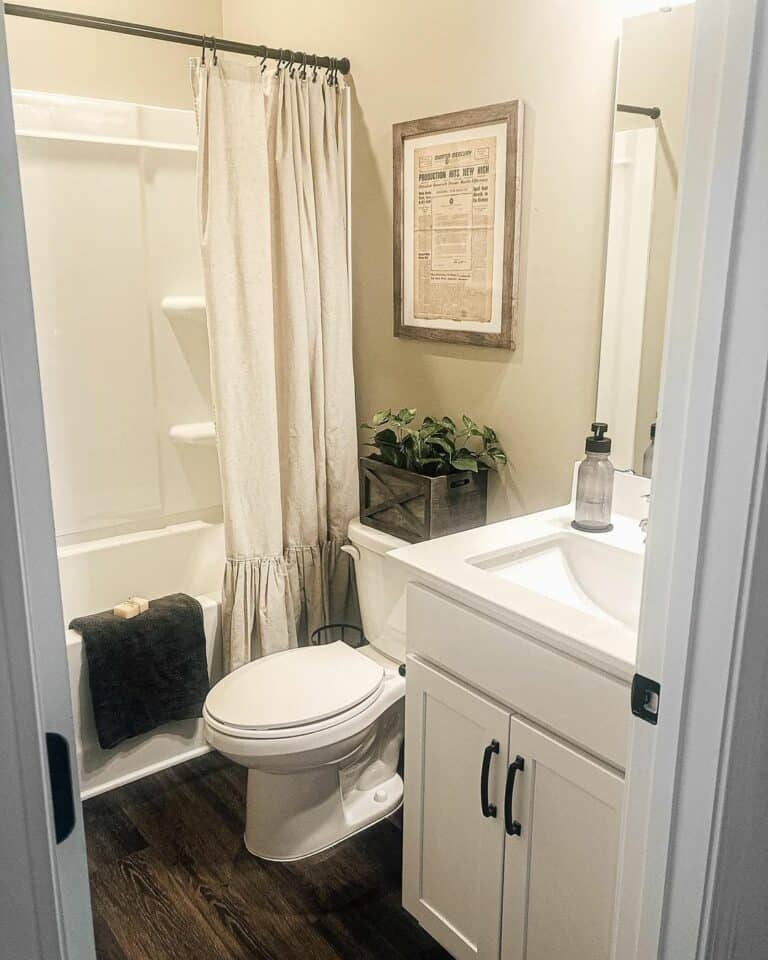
column 185, row 558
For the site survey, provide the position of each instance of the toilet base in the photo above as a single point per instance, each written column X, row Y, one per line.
column 297, row 815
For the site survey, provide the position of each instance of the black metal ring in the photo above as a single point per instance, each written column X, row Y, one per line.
column 317, row 638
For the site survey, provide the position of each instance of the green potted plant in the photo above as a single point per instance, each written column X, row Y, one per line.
column 427, row 480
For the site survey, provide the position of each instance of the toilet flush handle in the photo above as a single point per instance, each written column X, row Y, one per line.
column 352, row 550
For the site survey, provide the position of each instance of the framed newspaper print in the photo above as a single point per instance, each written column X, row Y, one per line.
column 456, row 225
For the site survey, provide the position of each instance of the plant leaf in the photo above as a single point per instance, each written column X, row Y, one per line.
column 386, row 437
column 381, row 416
column 465, row 463
column 443, row 443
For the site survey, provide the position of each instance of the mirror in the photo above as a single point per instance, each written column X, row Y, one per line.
column 649, row 130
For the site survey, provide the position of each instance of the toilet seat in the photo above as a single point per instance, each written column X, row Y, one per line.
column 295, row 692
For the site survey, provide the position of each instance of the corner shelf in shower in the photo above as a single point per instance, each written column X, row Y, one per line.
column 198, row 434
column 184, row 308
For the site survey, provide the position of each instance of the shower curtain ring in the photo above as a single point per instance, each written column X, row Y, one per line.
column 214, row 51
column 292, row 68
column 279, row 62
column 264, row 63
column 314, row 68
column 303, row 73
column 202, row 55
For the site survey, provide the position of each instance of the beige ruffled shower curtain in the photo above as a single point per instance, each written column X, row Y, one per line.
column 272, row 194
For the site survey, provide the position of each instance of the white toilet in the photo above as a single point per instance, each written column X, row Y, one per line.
column 320, row 728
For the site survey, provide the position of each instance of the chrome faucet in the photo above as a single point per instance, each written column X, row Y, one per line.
column 643, row 523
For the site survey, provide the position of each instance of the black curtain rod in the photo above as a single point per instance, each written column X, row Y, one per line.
column 174, row 36
column 653, row 112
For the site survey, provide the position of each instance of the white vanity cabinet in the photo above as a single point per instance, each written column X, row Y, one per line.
column 511, row 834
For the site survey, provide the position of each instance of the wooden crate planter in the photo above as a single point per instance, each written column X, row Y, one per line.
column 416, row 508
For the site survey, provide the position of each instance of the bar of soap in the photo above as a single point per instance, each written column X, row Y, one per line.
column 143, row 604
column 126, row 610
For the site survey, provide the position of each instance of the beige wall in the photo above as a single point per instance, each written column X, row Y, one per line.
column 654, row 68
column 89, row 63
column 415, row 59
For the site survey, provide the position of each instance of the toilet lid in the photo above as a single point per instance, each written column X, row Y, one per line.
column 294, row 688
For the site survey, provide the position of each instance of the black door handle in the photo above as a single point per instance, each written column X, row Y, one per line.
column 513, row 827
column 489, row 809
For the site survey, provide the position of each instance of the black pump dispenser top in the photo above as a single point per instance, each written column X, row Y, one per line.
column 598, row 442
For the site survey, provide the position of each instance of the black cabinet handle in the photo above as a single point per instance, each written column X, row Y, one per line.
column 513, row 827
column 489, row 809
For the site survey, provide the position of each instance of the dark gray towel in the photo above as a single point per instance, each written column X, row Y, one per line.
column 145, row 671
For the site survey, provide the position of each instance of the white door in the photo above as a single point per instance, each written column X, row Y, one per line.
column 709, row 473
column 455, row 743
column 562, row 816
column 44, row 897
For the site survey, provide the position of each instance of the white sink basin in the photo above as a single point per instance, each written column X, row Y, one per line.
column 581, row 572
column 577, row 592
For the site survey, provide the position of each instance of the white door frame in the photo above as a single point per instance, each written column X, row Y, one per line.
column 44, row 895
column 708, row 466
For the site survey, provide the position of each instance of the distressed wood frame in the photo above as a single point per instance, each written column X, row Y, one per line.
column 511, row 113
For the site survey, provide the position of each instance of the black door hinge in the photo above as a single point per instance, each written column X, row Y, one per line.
column 60, row 774
column 645, row 698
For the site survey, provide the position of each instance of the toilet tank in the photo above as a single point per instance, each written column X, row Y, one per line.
column 381, row 588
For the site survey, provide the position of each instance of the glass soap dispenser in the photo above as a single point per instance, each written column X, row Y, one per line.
column 594, row 484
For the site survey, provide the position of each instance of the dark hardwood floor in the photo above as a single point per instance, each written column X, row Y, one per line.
column 170, row 878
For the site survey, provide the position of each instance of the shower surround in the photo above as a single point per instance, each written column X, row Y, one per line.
column 109, row 197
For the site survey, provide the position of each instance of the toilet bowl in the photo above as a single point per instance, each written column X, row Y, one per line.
column 320, row 728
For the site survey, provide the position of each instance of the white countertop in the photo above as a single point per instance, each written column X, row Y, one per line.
column 446, row 565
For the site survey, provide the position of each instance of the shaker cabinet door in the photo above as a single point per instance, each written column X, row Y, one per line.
column 456, row 748
column 562, row 817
